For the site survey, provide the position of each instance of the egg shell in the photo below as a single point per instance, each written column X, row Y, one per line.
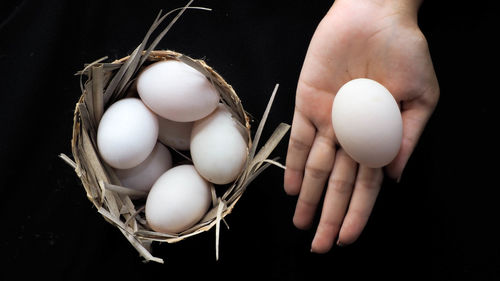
column 177, row 200
column 176, row 91
column 143, row 176
column 367, row 122
column 175, row 134
column 127, row 133
column 218, row 147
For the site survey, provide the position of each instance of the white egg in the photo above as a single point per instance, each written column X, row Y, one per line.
column 177, row 200
column 176, row 91
column 367, row 122
column 143, row 176
column 175, row 134
column 127, row 133
column 218, row 147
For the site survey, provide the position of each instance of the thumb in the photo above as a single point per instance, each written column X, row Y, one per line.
column 415, row 116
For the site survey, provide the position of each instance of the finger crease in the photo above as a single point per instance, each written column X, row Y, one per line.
column 369, row 185
column 316, row 173
column 307, row 203
column 329, row 223
column 341, row 186
column 299, row 145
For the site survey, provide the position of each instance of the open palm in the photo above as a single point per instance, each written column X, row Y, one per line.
column 355, row 39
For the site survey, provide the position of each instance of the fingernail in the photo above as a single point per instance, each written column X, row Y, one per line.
column 340, row 244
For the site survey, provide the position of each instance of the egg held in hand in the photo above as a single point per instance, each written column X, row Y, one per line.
column 143, row 176
column 218, row 147
column 177, row 200
column 367, row 122
column 176, row 91
column 127, row 133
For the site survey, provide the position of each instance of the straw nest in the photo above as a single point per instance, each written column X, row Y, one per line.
column 107, row 83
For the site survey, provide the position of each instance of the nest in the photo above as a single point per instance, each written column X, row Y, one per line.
column 109, row 82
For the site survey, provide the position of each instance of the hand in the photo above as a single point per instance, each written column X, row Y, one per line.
column 379, row 40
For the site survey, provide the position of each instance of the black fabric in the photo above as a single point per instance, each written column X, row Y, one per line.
column 439, row 223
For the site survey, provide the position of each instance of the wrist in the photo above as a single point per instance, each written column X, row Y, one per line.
column 406, row 8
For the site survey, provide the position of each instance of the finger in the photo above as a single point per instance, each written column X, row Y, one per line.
column 301, row 139
column 338, row 194
column 318, row 168
column 366, row 189
column 415, row 115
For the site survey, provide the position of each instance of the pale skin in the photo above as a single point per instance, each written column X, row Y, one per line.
column 373, row 39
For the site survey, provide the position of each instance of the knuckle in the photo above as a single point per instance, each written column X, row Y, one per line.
column 306, row 203
column 327, row 141
column 330, row 224
column 369, row 185
column 299, row 145
column 341, row 186
column 316, row 173
column 371, row 182
column 358, row 218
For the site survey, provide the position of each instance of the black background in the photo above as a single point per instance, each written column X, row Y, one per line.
column 439, row 223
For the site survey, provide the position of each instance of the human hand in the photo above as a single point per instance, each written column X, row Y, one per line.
column 373, row 39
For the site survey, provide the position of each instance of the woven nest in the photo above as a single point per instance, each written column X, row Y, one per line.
column 109, row 82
